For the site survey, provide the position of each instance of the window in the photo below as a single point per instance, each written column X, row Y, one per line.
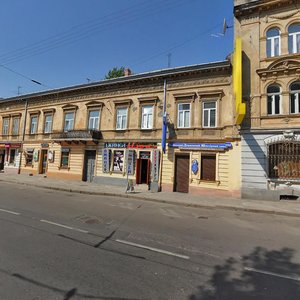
column 118, row 162
column 147, row 117
column 294, row 38
column 184, row 112
column 48, row 123
column 5, row 126
column 16, row 124
column 94, row 117
column 273, row 42
column 209, row 114
column 208, row 167
column 121, row 118
column 65, row 157
column 284, row 160
column 274, row 100
column 33, row 124
column 295, row 98
column 29, row 157
column 69, row 121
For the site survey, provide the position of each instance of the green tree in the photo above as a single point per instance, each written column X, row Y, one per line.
column 115, row 73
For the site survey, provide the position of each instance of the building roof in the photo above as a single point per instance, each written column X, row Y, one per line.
column 159, row 74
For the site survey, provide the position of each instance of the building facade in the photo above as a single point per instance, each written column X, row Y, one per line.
column 111, row 131
column 270, row 34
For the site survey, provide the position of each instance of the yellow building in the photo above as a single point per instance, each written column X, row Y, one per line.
column 270, row 34
column 111, row 131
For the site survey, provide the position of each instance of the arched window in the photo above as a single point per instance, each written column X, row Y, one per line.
column 294, row 38
column 274, row 99
column 273, row 42
column 295, row 98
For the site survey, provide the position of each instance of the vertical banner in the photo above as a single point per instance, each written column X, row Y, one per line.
column 105, row 160
column 130, row 160
column 155, row 165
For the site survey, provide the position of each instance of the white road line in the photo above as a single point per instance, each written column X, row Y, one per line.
column 272, row 274
column 152, row 249
column 64, row 226
column 10, row 212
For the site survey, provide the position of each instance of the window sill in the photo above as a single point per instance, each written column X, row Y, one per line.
column 209, row 182
column 64, row 168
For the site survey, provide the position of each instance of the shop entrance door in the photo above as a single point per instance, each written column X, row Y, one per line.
column 182, row 173
column 143, row 171
column 2, row 155
column 43, row 163
column 89, row 165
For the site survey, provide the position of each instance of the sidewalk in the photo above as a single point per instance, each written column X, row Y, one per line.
column 288, row 208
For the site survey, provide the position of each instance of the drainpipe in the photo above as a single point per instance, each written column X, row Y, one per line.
column 23, row 135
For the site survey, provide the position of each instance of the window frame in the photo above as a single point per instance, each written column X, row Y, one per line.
column 271, row 39
column 203, row 156
column 62, row 151
column 15, row 131
column 45, row 122
column 296, row 93
column 292, row 37
column 73, row 123
column 184, row 110
column 147, row 115
column 89, row 118
column 4, row 133
column 31, row 131
column 126, row 118
column 209, row 113
column 272, row 96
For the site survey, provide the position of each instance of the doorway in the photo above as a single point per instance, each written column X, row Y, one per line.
column 2, row 155
column 89, row 165
column 143, row 168
column 43, row 163
column 182, row 173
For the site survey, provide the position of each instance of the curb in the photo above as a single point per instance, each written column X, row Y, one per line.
column 134, row 196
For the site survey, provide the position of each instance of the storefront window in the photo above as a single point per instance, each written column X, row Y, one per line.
column 12, row 156
column 118, row 163
column 208, row 167
column 29, row 157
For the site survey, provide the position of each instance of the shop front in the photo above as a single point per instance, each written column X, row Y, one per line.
column 135, row 161
column 10, row 157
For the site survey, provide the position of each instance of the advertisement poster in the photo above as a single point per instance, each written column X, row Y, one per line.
column 118, row 160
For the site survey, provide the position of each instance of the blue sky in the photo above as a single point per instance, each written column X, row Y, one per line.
column 66, row 42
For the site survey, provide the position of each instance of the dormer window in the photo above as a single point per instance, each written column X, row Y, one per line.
column 273, row 42
column 294, row 38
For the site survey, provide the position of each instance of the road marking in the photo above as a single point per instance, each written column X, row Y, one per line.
column 10, row 212
column 64, row 226
column 272, row 274
column 152, row 249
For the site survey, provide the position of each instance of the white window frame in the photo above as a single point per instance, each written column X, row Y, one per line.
column 5, row 126
column 33, row 125
column 147, row 118
column 209, row 114
column 293, row 36
column 272, row 44
column 47, row 127
column 296, row 99
column 272, row 96
column 183, row 111
column 67, row 122
column 121, row 118
column 95, row 120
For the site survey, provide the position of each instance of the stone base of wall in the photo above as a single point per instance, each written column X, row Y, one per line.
column 33, row 172
column 270, row 195
column 205, row 191
column 111, row 181
column 64, row 176
column 9, row 170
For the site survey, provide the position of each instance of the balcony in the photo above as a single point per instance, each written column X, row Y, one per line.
column 77, row 136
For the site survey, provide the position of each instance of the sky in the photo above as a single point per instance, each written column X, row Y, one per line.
column 61, row 43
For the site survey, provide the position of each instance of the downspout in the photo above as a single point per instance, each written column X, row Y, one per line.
column 23, row 135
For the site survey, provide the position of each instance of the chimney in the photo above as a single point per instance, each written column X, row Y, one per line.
column 127, row 72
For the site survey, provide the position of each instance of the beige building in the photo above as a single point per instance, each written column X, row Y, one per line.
column 270, row 33
column 111, row 131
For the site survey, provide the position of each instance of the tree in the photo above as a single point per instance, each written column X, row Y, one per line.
column 115, row 73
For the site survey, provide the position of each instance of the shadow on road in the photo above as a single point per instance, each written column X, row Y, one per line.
column 260, row 275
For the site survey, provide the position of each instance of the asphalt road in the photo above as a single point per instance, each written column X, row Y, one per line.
column 57, row 245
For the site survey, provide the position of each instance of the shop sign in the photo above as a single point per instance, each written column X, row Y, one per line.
column 13, row 146
column 145, row 154
column 105, row 160
column 65, row 150
column 115, row 145
column 155, row 165
column 130, row 161
column 195, row 166
column 141, row 146
column 201, row 146
column 45, row 145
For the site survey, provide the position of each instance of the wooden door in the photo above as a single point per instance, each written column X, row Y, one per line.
column 208, row 167
column 182, row 173
column 43, row 162
column 89, row 166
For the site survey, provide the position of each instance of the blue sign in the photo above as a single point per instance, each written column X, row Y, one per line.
column 226, row 145
column 195, row 166
column 115, row 145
